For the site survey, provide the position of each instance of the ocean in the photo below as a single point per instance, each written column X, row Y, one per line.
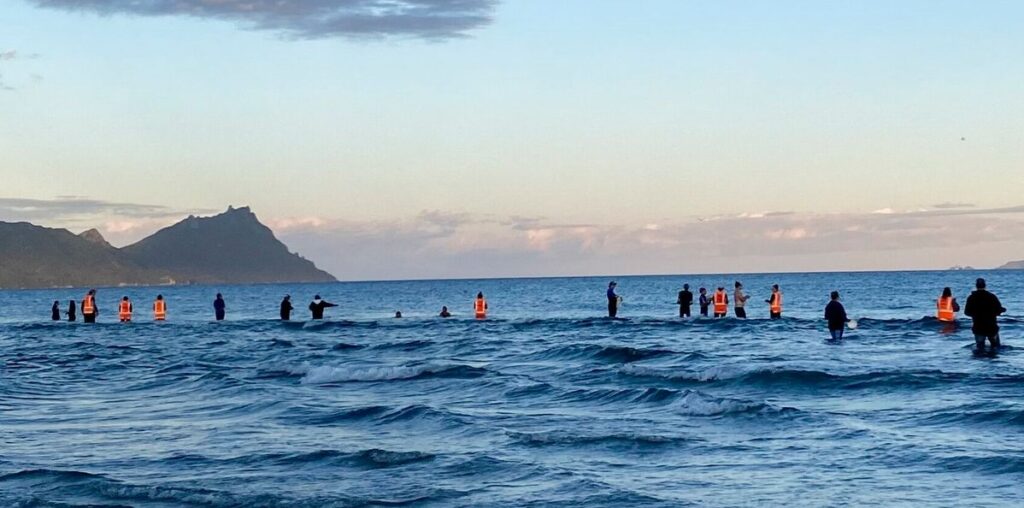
column 546, row 403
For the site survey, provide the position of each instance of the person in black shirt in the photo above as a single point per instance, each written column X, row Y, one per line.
column 317, row 307
column 286, row 308
column 983, row 308
column 835, row 313
column 685, row 300
column 219, row 307
column 55, row 311
column 72, row 311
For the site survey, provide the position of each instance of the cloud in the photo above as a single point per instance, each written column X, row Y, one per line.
column 312, row 19
column 464, row 247
column 8, row 55
column 948, row 206
column 125, row 222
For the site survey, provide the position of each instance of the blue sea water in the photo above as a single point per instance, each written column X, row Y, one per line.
column 546, row 403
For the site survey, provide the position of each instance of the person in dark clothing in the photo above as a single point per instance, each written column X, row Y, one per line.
column 685, row 300
column 984, row 308
column 704, row 301
column 835, row 314
column 72, row 310
column 613, row 300
column 318, row 305
column 444, row 312
column 219, row 307
column 286, row 308
column 55, row 311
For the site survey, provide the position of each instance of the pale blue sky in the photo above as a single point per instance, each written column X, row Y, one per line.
column 616, row 115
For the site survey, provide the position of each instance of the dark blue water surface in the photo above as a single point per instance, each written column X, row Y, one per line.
column 545, row 403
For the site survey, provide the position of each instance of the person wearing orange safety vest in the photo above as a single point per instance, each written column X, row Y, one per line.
column 480, row 306
column 946, row 306
column 124, row 310
column 720, row 301
column 160, row 308
column 775, row 303
column 89, row 308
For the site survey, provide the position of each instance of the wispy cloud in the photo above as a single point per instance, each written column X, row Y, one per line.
column 126, row 222
column 517, row 246
column 312, row 19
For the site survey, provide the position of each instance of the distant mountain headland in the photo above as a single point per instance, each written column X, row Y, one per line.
column 1013, row 265
column 230, row 248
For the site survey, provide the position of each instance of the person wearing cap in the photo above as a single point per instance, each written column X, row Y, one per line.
column 613, row 300
column 740, row 301
column 286, row 308
column 984, row 308
column 318, row 305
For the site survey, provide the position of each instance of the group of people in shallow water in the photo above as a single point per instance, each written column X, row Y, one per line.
column 982, row 307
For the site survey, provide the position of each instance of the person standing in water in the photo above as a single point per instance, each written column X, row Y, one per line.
column 480, row 306
column 721, row 302
column 55, row 311
column 704, row 301
column 72, row 311
column 984, row 309
column 444, row 312
column 160, row 308
column 613, row 300
column 835, row 314
column 317, row 306
column 89, row 308
column 125, row 309
column 740, row 301
column 685, row 300
column 946, row 306
column 775, row 303
column 286, row 308
column 219, row 307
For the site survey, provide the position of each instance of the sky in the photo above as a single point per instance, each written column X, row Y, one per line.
column 392, row 139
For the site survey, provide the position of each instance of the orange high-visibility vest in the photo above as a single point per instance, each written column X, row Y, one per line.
column 945, row 309
column 480, row 308
column 124, row 312
column 160, row 310
column 87, row 305
column 777, row 304
column 720, row 302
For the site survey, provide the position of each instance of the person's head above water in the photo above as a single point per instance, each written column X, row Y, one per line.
column 738, row 285
column 219, row 296
column 398, row 313
column 835, row 295
column 444, row 308
column 159, row 297
column 124, row 298
column 92, row 291
column 775, row 287
column 613, row 284
column 947, row 292
column 480, row 294
column 980, row 283
column 287, row 297
column 702, row 290
column 686, row 286
column 721, row 288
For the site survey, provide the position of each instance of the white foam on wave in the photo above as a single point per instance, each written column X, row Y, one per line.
column 329, row 374
column 697, row 404
column 716, row 373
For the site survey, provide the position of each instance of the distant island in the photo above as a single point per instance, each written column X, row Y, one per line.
column 1013, row 265
column 230, row 248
